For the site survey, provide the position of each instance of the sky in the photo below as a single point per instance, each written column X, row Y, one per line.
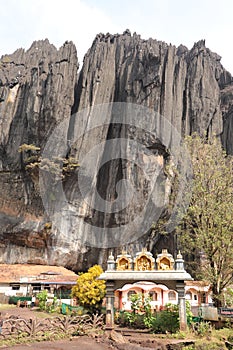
column 173, row 21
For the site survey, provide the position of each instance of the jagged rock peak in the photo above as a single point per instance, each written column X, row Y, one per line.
column 199, row 43
column 127, row 39
column 41, row 44
column 39, row 50
column 37, row 89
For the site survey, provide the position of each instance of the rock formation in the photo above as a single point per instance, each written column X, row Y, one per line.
column 36, row 92
column 40, row 88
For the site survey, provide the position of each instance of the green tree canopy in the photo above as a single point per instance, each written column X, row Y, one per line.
column 90, row 291
column 207, row 227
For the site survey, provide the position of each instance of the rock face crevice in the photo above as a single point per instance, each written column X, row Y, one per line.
column 41, row 87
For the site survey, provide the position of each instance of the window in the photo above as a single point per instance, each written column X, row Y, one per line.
column 188, row 296
column 153, row 295
column 131, row 292
column 171, row 295
column 36, row 287
column 195, row 297
column 15, row 286
column 203, row 298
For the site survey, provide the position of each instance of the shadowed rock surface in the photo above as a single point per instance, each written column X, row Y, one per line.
column 40, row 87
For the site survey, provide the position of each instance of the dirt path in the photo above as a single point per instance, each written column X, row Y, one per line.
column 82, row 343
column 22, row 312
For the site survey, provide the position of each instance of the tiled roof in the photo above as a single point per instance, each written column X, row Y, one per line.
column 59, row 280
column 16, row 272
column 197, row 283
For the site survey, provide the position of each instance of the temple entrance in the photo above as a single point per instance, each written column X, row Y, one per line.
column 129, row 274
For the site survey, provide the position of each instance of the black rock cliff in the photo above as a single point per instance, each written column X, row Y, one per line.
column 41, row 87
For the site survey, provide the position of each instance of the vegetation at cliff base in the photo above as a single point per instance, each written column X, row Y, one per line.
column 206, row 232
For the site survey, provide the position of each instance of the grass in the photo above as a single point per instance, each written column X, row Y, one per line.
column 214, row 340
column 6, row 307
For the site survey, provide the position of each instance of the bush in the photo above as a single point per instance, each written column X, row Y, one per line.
column 53, row 306
column 166, row 320
column 89, row 291
column 202, row 328
column 142, row 317
column 42, row 297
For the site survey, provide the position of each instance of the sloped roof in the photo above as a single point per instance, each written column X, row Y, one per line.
column 200, row 286
column 197, row 283
column 13, row 273
column 60, row 280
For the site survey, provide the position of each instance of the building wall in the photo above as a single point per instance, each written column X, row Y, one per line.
column 9, row 290
column 161, row 296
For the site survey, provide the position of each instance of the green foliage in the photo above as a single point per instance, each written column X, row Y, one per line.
column 189, row 313
column 206, row 346
column 137, row 303
column 45, row 305
column 142, row 317
column 166, row 320
column 90, row 291
column 52, row 306
column 131, row 320
column 42, row 297
column 202, row 328
column 148, row 315
column 228, row 297
column 207, row 227
column 163, row 321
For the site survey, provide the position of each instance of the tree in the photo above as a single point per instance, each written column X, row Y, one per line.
column 88, row 290
column 207, row 227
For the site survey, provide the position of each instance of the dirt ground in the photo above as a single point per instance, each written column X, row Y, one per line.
column 122, row 340
column 82, row 343
column 22, row 312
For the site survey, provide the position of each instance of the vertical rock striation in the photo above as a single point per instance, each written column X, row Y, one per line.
column 39, row 88
column 36, row 93
column 184, row 86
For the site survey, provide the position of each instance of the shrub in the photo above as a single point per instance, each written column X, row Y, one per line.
column 202, row 328
column 166, row 320
column 90, row 291
column 42, row 297
column 141, row 316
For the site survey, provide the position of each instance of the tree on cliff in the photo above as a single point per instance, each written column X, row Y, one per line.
column 88, row 290
column 207, row 228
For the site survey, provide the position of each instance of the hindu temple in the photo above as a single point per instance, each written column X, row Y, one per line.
column 143, row 267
